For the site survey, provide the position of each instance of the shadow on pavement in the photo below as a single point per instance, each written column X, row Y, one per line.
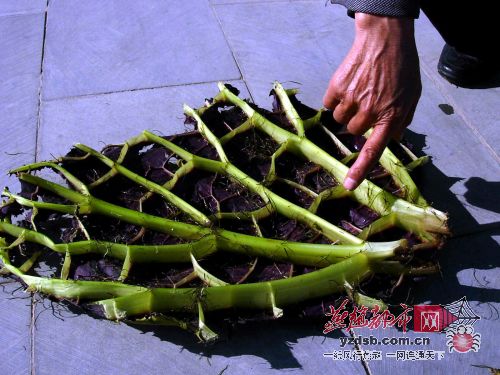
column 472, row 245
column 483, row 194
column 273, row 340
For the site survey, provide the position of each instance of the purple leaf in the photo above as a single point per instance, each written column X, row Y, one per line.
column 362, row 216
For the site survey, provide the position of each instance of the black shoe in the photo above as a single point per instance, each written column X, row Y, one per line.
column 464, row 70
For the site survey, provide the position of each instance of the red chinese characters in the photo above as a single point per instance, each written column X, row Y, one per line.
column 358, row 317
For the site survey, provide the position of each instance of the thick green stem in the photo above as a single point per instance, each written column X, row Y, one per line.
column 367, row 193
column 310, row 254
column 290, row 112
column 93, row 290
column 78, row 185
column 123, row 153
column 185, row 207
column 63, row 208
column 90, row 204
column 282, row 206
column 262, row 295
column 207, row 134
column 271, row 174
column 336, row 192
column 342, row 148
column 401, row 177
column 345, row 264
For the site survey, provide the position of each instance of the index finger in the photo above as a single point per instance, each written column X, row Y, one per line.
column 332, row 95
column 368, row 156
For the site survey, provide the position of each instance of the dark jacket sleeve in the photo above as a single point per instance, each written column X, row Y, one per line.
column 392, row 8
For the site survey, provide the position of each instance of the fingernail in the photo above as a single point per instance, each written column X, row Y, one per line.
column 350, row 183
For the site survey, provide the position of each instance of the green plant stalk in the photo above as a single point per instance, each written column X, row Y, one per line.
column 261, row 295
column 290, row 112
column 420, row 219
column 205, row 276
column 345, row 264
column 182, row 171
column 319, row 255
column 342, row 148
column 379, row 225
column 185, row 207
column 203, row 332
column 207, row 134
column 282, row 206
column 240, row 175
column 77, row 184
column 388, row 160
column 313, row 121
column 63, row 208
column 271, row 174
column 123, row 153
column 367, row 193
column 298, row 186
column 90, row 204
column 247, row 125
column 336, row 192
column 417, row 163
column 72, row 289
column 362, row 300
column 401, row 176
column 170, row 184
column 350, row 157
column 259, row 213
column 122, row 301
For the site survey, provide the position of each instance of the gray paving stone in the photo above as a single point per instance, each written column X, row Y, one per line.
column 462, row 178
column 15, row 317
column 307, row 42
column 303, row 41
column 270, row 42
column 83, row 345
column 469, row 267
column 479, row 107
column 221, row 2
column 429, row 42
column 114, row 118
column 22, row 6
column 21, row 46
column 331, row 28
column 94, row 47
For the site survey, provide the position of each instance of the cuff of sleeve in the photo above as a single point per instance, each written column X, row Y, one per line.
column 390, row 8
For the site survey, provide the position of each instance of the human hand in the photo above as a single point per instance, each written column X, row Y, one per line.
column 376, row 86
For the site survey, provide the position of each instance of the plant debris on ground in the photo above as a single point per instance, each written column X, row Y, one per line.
column 246, row 214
